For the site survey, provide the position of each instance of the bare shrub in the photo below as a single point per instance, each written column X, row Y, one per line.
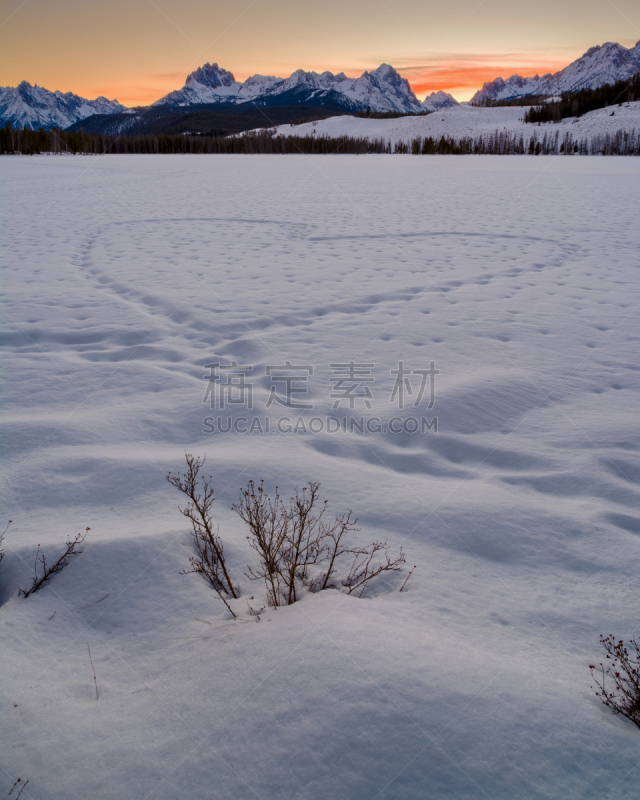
column 268, row 524
column 47, row 571
column 292, row 539
column 209, row 560
column 619, row 681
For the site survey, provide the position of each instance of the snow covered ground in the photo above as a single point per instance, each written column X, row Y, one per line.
column 517, row 277
column 467, row 121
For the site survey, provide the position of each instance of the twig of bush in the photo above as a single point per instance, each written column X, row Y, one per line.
column 40, row 564
column 406, row 580
column 268, row 525
column 618, row 682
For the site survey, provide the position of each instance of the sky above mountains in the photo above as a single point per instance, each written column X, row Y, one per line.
column 139, row 50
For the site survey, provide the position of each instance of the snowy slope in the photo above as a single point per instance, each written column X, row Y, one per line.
column 467, row 121
column 607, row 63
column 27, row 106
column 382, row 89
column 123, row 276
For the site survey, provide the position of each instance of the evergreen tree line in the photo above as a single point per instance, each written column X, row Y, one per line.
column 541, row 142
column 575, row 104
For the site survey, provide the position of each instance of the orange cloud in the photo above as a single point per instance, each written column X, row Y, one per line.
column 462, row 76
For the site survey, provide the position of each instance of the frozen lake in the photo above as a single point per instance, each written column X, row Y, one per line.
column 472, row 322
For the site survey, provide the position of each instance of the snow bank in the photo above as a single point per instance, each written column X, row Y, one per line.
column 468, row 121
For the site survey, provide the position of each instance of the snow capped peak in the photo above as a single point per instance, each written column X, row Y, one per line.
column 207, row 84
column 437, row 100
column 384, row 89
column 211, row 75
column 384, row 69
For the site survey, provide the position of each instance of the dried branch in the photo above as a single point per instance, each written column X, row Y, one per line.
column 364, row 569
column 255, row 613
column 406, row 580
column 95, row 679
column 24, row 786
column 16, row 784
column 226, row 602
column 209, row 559
column 624, row 673
column 2, row 539
column 60, row 564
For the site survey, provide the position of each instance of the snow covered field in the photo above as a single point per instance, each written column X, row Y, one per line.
column 517, row 277
column 468, row 121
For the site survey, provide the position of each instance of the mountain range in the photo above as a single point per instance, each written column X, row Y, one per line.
column 211, row 92
column 27, row 106
column 382, row 90
column 607, row 63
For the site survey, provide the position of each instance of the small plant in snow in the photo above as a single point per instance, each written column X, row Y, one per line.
column 300, row 549
column 291, row 539
column 42, row 572
column 618, row 682
column 209, row 560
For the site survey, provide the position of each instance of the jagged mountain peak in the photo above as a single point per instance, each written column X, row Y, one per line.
column 211, row 75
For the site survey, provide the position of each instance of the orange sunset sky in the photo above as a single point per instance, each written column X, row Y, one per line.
column 138, row 50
